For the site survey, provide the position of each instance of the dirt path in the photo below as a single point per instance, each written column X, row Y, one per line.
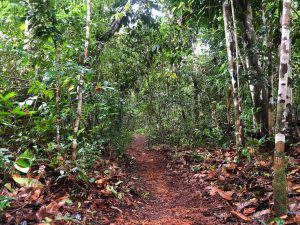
column 167, row 199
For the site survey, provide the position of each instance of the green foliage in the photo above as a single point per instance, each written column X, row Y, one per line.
column 24, row 162
column 4, row 202
column 164, row 76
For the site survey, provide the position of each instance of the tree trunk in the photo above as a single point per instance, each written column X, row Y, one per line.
column 279, row 182
column 57, row 96
column 228, row 107
column 195, row 82
column 268, row 67
column 232, row 57
column 80, row 83
column 257, row 85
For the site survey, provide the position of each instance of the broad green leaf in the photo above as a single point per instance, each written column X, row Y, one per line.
column 27, row 182
column 24, row 162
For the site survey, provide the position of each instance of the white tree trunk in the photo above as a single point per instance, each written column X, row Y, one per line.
column 279, row 182
column 233, row 70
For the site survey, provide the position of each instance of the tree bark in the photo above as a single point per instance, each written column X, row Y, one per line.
column 279, row 181
column 195, row 84
column 232, row 65
column 257, row 85
column 268, row 67
column 80, row 83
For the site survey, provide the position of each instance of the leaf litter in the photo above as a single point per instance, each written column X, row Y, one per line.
column 187, row 186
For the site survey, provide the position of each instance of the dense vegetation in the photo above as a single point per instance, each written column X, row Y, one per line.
column 79, row 78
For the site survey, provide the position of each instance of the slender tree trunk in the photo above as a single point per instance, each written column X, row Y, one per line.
column 279, row 182
column 80, row 83
column 233, row 69
column 268, row 67
column 228, row 107
column 195, row 83
column 257, row 85
column 57, row 96
column 195, row 100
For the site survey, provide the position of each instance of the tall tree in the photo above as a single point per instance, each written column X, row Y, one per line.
column 80, row 82
column 256, row 74
column 279, row 182
column 233, row 70
column 268, row 66
column 195, row 81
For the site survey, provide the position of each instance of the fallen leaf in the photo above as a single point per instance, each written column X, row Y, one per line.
column 8, row 187
column 101, row 182
column 231, row 166
column 262, row 164
column 224, row 195
column 106, row 192
column 248, row 211
column 242, row 205
column 259, row 214
column 240, row 216
column 36, row 195
column 293, row 220
column 28, row 182
column 296, row 188
column 53, row 208
column 213, row 191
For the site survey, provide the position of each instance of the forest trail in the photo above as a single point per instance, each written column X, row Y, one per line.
column 168, row 200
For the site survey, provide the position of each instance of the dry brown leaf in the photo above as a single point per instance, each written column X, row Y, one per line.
column 259, row 214
column 106, row 192
column 224, row 195
column 240, row 216
column 231, row 166
column 248, row 211
column 213, row 191
column 53, row 208
column 101, row 182
column 293, row 220
column 242, row 205
column 36, row 194
column 261, row 163
column 296, row 188
column 229, row 193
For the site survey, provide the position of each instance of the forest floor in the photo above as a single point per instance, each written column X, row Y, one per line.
column 157, row 186
column 203, row 186
column 167, row 198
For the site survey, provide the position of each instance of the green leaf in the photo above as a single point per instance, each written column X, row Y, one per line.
column 21, row 169
column 4, row 202
column 9, row 188
column 27, row 182
column 24, row 162
column 9, row 96
column 71, row 87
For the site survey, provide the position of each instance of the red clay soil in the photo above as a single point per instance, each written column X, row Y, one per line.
column 167, row 199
